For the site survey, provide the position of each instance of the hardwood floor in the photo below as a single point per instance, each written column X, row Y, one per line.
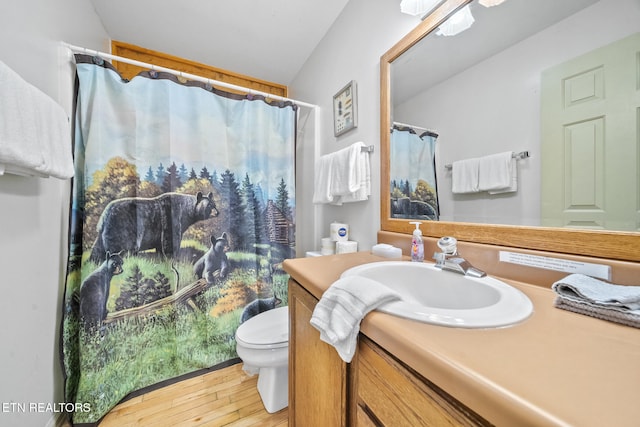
column 227, row 397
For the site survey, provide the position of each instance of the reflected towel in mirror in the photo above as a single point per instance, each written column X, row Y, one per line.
column 464, row 176
column 495, row 171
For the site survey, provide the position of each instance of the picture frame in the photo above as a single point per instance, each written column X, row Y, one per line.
column 345, row 109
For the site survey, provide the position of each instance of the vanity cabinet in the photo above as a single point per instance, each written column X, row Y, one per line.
column 373, row 390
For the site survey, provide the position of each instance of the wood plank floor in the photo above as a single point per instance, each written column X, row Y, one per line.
column 227, row 397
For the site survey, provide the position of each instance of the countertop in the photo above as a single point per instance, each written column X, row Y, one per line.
column 556, row 368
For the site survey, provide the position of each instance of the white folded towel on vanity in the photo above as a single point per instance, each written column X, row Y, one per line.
column 587, row 295
column 343, row 176
column 343, row 306
column 35, row 133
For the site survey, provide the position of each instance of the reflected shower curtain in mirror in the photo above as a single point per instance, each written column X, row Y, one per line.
column 414, row 190
column 182, row 212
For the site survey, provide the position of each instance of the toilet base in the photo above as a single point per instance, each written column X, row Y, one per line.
column 273, row 387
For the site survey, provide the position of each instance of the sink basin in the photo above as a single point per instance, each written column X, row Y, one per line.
column 431, row 295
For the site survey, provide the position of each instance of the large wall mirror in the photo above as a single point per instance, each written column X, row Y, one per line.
column 535, row 78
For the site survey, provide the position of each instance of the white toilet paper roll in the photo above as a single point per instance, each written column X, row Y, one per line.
column 327, row 243
column 328, row 246
column 339, row 232
column 346, row 247
column 326, row 251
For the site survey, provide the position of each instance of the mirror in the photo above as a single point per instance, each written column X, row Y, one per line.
column 522, row 133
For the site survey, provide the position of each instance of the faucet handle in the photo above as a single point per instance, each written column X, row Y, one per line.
column 448, row 245
column 440, row 257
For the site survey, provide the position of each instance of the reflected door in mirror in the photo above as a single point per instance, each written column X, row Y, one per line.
column 590, row 124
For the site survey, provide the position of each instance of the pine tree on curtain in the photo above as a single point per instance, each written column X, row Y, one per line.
column 182, row 212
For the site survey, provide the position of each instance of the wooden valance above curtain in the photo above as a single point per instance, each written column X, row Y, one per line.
column 142, row 54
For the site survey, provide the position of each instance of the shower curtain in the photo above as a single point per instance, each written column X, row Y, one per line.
column 414, row 189
column 182, row 212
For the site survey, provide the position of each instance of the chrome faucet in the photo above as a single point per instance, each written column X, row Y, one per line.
column 449, row 259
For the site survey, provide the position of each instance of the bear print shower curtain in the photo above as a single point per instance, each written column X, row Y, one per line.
column 182, row 212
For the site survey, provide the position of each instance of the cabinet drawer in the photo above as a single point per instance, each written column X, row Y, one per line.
column 388, row 394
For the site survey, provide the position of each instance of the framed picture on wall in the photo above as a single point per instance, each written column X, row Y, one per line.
column 345, row 109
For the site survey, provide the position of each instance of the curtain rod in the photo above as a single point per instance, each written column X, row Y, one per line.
column 429, row 132
column 185, row 75
column 411, row 126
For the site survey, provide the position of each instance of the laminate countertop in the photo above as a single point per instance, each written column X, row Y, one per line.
column 556, row 368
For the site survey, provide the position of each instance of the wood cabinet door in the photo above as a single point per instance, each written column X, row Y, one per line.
column 317, row 375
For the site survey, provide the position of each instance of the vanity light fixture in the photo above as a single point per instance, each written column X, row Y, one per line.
column 418, row 7
column 460, row 21
column 490, row 3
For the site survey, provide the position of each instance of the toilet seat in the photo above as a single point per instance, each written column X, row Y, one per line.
column 267, row 330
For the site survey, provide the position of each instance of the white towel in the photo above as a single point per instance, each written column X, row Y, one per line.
column 363, row 176
column 322, row 182
column 586, row 295
column 35, row 134
column 464, row 176
column 513, row 187
column 343, row 176
column 494, row 171
column 343, row 306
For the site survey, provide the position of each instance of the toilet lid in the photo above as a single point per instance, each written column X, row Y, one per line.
column 266, row 329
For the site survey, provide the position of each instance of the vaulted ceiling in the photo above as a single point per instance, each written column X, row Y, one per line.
column 266, row 39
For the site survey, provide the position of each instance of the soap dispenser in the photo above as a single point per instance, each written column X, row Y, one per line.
column 417, row 245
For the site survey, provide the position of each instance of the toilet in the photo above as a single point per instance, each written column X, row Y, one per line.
column 262, row 342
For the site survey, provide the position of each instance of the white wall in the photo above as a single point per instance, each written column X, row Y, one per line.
column 350, row 51
column 33, row 213
column 458, row 109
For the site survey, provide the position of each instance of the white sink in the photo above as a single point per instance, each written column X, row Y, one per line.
column 446, row 298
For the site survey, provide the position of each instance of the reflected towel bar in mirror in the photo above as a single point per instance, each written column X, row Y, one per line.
column 517, row 156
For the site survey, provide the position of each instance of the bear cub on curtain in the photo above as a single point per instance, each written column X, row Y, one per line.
column 94, row 291
column 215, row 259
column 258, row 306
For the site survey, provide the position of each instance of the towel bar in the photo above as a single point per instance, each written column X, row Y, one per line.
column 367, row 149
column 517, row 156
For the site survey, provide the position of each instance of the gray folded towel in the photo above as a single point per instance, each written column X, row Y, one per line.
column 587, row 295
